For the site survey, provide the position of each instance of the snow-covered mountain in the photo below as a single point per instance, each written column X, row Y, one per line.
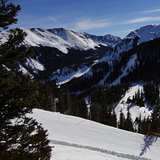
column 62, row 54
column 146, row 33
column 58, row 47
column 77, row 138
column 60, row 38
column 108, row 39
column 143, row 34
column 64, row 39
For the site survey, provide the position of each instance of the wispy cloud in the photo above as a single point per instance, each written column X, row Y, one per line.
column 143, row 19
column 88, row 24
column 151, row 11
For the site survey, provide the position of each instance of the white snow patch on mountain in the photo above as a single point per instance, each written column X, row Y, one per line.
column 35, row 65
column 66, row 74
column 23, row 70
column 136, row 111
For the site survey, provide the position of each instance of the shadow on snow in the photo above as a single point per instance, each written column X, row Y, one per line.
column 148, row 141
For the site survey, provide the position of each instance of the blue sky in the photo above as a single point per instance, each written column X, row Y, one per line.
column 99, row 17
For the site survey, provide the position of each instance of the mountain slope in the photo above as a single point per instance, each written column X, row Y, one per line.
column 146, row 33
column 58, row 38
column 107, row 39
column 58, row 48
column 113, row 55
column 81, row 133
column 63, row 39
column 136, row 111
column 143, row 34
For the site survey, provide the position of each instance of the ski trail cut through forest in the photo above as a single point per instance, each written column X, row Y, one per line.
column 131, row 157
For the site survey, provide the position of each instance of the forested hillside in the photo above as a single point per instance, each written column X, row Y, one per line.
column 138, row 65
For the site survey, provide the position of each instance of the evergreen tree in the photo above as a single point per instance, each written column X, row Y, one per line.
column 128, row 124
column 155, row 119
column 151, row 93
column 61, row 104
column 105, row 115
column 114, row 119
column 138, row 98
column 47, row 101
column 68, row 102
column 144, row 126
column 95, row 112
column 31, row 145
column 8, row 13
column 18, row 95
column 138, row 122
column 121, row 121
column 82, row 108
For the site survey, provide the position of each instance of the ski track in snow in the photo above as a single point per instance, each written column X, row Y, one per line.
column 128, row 156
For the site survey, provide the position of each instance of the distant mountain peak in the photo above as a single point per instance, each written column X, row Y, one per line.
column 107, row 39
column 146, row 33
column 64, row 39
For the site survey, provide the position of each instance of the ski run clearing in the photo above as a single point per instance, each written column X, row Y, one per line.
column 74, row 138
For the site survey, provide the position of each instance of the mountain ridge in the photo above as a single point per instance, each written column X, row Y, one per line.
column 58, row 42
column 74, row 44
column 63, row 39
column 128, row 43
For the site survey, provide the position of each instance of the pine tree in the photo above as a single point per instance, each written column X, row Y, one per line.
column 128, row 124
column 46, row 101
column 121, row 121
column 28, row 145
column 114, row 119
column 151, row 93
column 18, row 96
column 61, row 104
column 82, row 108
column 144, row 126
column 8, row 13
column 155, row 119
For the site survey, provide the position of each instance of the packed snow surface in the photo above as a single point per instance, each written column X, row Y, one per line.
column 75, row 138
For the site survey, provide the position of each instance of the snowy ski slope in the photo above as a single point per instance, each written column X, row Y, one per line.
column 75, row 138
